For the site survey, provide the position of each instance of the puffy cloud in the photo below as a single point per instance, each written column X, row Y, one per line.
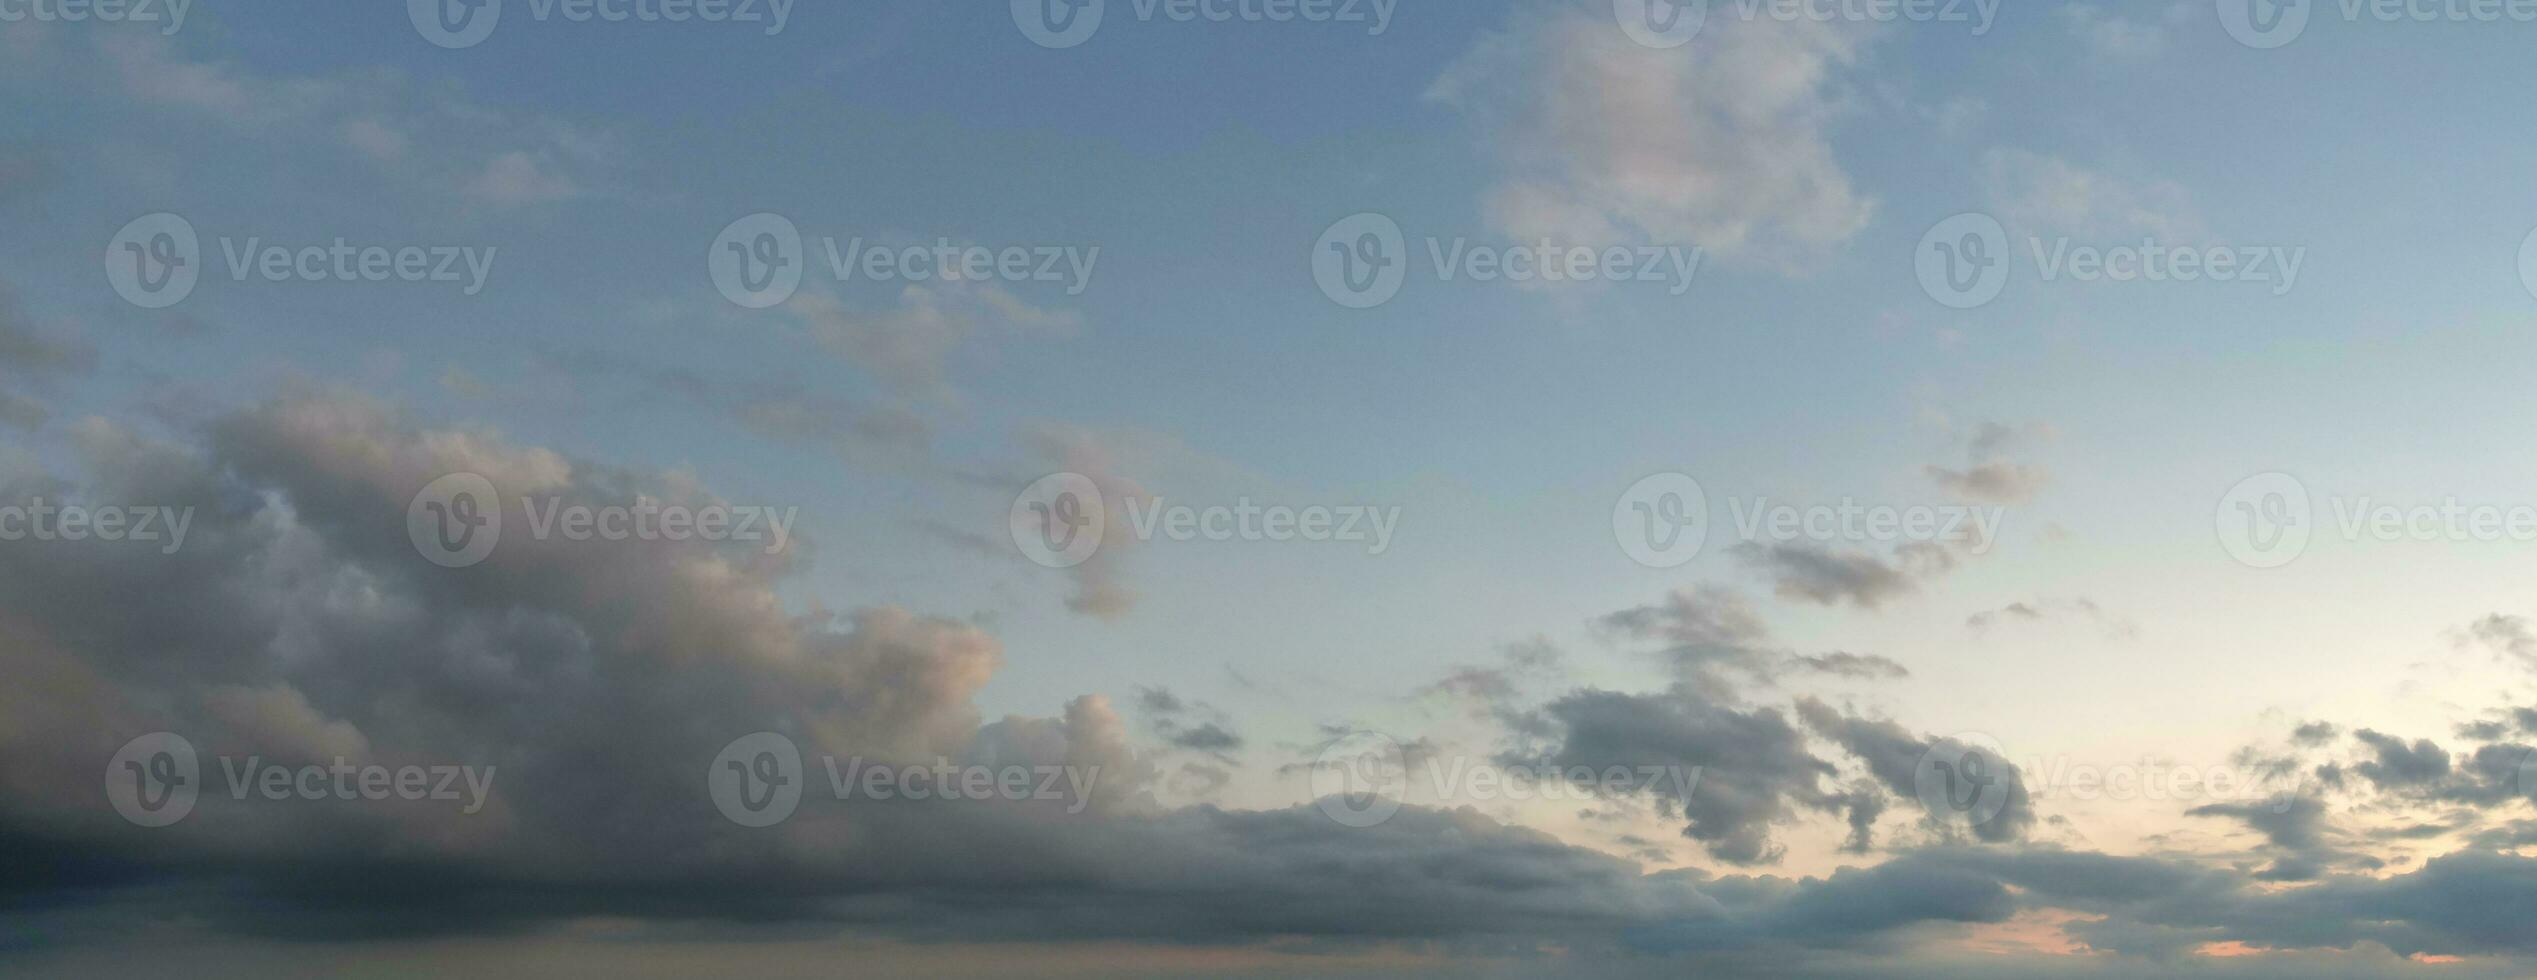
column 1725, row 143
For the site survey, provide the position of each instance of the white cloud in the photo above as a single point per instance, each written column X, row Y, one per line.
column 1724, row 143
column 2049, row 195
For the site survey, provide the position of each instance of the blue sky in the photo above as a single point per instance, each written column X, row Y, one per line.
column 2108, row 424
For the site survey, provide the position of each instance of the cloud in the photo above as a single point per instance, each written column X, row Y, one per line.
column 35, row 359
column 1755, row 769
column 1725, row 144
column 908, row 348
column 480, row 153
column 1852, row 665
column 1189, row 725
column 518, row 178
column 2114, row 627
column 1893, row 757
column 1987, row 475
column 598, row 680
column 1816, row 573
column 2046, row 195
column 2115, row 38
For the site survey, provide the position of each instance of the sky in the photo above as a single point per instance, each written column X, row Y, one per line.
column 1245, row 487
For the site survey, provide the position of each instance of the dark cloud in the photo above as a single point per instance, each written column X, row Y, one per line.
column 1896, row 758
column 1986, row 475
column 600, row 679
column 1852, row 665
column 1818, row 574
